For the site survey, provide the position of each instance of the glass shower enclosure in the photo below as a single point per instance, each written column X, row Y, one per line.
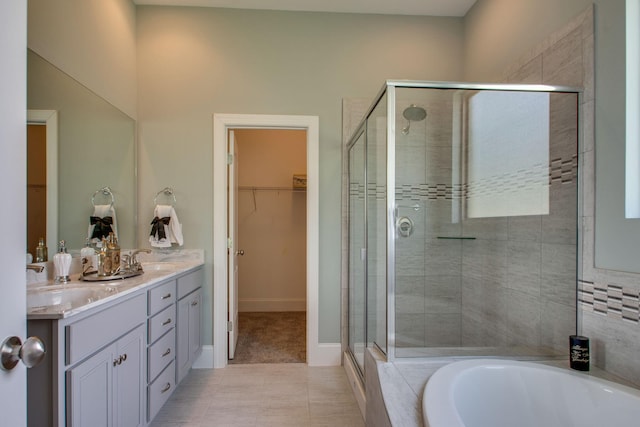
column 462, row 211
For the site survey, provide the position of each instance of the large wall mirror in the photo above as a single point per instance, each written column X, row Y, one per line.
column 95, row 149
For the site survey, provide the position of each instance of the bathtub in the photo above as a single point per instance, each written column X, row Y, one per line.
column 505, row 393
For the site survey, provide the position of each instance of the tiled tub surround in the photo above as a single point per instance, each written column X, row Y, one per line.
column 395, row 390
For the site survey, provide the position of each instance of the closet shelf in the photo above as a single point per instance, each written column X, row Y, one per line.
column 294, row 190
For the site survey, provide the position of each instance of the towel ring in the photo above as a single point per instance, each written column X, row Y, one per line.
column 104, row 191
column 167, row 191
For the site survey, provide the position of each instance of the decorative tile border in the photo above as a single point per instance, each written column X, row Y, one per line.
column 613, row 301
column 559, row 171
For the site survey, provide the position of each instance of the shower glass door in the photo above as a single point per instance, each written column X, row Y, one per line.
column 485, row 221
column 357, row 250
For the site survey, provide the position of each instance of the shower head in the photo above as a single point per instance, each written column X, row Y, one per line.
column 413, row 113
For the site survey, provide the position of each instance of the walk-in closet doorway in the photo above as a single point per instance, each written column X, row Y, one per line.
column 317, row 354
column 267, row 223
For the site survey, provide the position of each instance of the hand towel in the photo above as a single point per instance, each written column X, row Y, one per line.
column 166, row 228
column 104, row 218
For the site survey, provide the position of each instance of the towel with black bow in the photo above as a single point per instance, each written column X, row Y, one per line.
column 102, row 222
column 165, row 227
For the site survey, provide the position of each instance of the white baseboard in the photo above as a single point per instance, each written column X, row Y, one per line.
column 256, row 305
column 325, row 355
column 205, row 360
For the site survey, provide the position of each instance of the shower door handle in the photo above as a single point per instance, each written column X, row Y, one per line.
column 240, row 252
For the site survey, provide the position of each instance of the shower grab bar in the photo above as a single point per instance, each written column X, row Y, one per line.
column 415, row 207
column 456, row 238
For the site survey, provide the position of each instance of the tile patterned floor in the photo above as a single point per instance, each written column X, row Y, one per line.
column 288, row 394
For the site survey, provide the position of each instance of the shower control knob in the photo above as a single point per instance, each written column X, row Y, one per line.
column 31, row 353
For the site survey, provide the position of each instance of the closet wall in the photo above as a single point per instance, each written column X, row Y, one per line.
column 271, row 220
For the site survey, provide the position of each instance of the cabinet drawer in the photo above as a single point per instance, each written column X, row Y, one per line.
column 190, row 282
column 160, row 390
column 161, row 323
column 92, row 333
column 161, row 353
column 161, row 297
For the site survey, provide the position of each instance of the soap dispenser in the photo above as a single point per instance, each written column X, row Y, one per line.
column 62, row 263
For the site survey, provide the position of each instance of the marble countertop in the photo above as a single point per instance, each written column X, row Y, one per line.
column 49, row 300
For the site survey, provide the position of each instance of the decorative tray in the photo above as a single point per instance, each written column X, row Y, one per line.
column 93, row 276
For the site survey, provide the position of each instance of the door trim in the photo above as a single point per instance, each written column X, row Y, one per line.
column 49, row 118
column 316, row 354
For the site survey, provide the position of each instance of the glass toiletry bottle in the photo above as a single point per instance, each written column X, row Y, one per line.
column 62, row 263
column 115, row 253
column 88, row 259
column 41, row 251
column 114, row 250
column 104, row 262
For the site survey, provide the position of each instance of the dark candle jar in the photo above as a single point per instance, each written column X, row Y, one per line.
column 579, row 352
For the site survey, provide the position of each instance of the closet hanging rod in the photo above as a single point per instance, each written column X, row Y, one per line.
column 248, row 188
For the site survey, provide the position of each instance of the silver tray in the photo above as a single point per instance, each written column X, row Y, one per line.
column 93, row 277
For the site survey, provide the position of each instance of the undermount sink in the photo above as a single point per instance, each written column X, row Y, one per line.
column 160, row 266
column 63, row 298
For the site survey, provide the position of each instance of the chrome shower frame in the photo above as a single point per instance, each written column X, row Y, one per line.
column 389, row 90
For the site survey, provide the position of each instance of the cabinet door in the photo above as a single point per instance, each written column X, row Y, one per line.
column 195, row 305
column 90, row 390
column 129, row 378
column 188, row 344
column 182, row 339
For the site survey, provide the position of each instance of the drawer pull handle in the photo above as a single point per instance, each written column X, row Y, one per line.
column 166, row 353
column 194, row 303
column 166, row 322
column 120, row 359
column 166, row 296
column 165, row 388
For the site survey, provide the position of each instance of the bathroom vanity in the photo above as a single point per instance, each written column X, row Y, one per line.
column 115, row 350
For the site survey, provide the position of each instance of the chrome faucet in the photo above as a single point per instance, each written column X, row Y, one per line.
column 131, row 261
column 35, row 267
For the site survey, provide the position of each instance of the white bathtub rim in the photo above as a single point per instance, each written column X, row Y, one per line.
column 441, row 406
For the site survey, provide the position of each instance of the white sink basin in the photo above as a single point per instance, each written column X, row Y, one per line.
column 65, row 298
column 161, row 266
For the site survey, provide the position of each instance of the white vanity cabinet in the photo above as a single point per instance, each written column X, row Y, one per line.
column 105, row 389
column 115, row 364
column 93, row 374
column 189, row 344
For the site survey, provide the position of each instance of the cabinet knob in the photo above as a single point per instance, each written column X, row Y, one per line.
column 166, row 322
column 194, row 303
column 12, row 350
column 166, row 296
column 165, row 388
column 166, row 353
